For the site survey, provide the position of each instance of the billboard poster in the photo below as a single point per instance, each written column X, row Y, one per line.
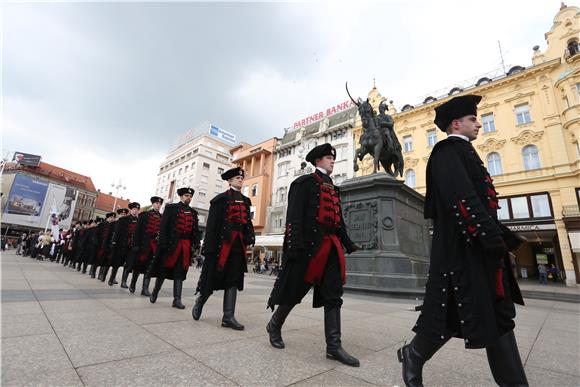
column 59, row 208
column 26, row 159
column 223, row 135
column 25, row 201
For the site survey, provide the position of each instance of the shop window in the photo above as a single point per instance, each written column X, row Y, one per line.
column 523, row 114
column 520, row 209
column 494, row 164
column 488, row 122
column 541, row 206
column 410, row 178
column 531, row 157
column 431, row 138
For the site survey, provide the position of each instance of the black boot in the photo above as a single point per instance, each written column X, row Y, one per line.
column 505, row 362
column 103, row 273
column 134, row 279
column 124, row 278
column 228, row 320
column 156, row 289
column 145, row 288
column 413, row 356
column 93, row 272
column 332, row 332
column 112, row 280
column 198, row 307
column 79, row 266
column 177, row 288
column 274, row 327
column 85, row 268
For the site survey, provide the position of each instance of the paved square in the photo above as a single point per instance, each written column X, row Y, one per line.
column 61, row 328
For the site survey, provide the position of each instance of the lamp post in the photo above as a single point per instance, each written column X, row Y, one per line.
column 117, row 187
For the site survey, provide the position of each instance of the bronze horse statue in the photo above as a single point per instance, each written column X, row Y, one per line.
column 378, row 139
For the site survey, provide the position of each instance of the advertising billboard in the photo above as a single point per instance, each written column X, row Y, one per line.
column 59, row 209
column 223, row 135
column 25, row 201
column 26, row 159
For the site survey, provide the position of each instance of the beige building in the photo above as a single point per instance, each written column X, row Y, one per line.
column 258, row 163
column 529, row 142
column 196, row 163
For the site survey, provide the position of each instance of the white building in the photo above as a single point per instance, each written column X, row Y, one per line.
column 197, row 163
column 334, row 125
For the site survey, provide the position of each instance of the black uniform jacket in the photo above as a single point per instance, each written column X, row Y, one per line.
column 217, row 231
column 469, row 246
column 303, row 236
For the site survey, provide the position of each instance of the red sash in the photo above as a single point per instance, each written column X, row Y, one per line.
column 318, row 262
column 182, row 249
column 151, row 246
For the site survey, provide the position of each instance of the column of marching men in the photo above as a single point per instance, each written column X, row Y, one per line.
column 470, row 293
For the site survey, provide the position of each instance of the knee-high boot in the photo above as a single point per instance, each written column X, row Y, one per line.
column 145, row 288
column 413, row 356
column 274, row 327
column 156, row 289
column 177, row 288
column 93, row 271
column 112, row 280
column 85, row 264
column 332, row 331
column 124, row 278
column 505, row 362
column 228, row 320
column 198, row 306
column 134, row 279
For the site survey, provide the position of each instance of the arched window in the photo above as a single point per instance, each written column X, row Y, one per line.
column 410, row 178
column 531, row 157
column 494, row 164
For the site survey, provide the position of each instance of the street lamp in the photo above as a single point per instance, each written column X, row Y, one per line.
column 117, row 187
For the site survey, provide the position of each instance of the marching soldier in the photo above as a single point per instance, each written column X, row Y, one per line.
column 123, row 242
column 471, row 289
column 145, row 244
column 229, row 232
column 313, row 253
column 178, row 236
column 90, row 244
column 72, row 240
column 105, row 233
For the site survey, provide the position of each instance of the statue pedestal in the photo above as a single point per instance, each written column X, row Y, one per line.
column 385, row 218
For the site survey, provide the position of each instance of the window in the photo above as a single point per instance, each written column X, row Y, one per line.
column 173, row 174
column 254, row 189
column 245, row 190
column 431, row 138
column 341, row 152
column 410, row 178
column 523, row 114
column 407, row 144
column 206, row 166
column 186, row 168
column 541, row 206
column 252, row 212
column 531, row 157
column 283, row 169
column 494, row 164
column 520, row 208
column 578, row 89
column 209, row 153
column 338, row 134
column 203, row 179
column 220, row 171
column 180, row 170
column 281, row 195
column 488, row 123
column 503, row 212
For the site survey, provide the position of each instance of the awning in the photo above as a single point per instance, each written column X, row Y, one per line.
column 574, row 240
column 269, row 240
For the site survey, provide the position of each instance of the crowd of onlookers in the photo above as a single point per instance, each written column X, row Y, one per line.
column 547, row 272
column 41, row 245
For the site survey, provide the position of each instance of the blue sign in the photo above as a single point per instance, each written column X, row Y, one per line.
column 222, row 134
column 26, row 196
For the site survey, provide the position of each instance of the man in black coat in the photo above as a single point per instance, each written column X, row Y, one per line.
column 123, row 243
column 228, row 233
column 313, row 253
column 119, row 236
column 144, row 245
column 105, row 235
column 179, row 236
column 89, row 244
column 471, row 289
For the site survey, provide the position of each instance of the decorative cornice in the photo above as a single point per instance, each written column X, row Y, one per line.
column 411, row 162
column 520, row 95
column 487, row 105
column 491, row 145
column 528, row 137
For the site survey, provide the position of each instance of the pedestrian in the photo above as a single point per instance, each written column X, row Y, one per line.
column 470, row 292
column 543, row 273
column 145, row 245
column 123, row 244
column 91, row 244
column 179, row 235
column 104, row 237
column 229, row 232
column 313, row 253
column 554, row 273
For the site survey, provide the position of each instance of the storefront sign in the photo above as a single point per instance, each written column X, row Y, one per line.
column 532, row 227
column 323, row 114
column 542, row 259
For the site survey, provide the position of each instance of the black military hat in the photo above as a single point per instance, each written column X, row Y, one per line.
column 185, row 190
column 109, row 214
column 85, row 222
column 455, row 108
column 156, row 199
column 134, row 205
column 98, row 219
column 320, row 151
column 237, row 171
column 123, row 211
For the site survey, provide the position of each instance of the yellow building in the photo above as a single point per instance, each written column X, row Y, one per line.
column 529, row 142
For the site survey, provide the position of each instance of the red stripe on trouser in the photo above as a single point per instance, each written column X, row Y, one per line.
column 182, row 249
column 318, row 261
column 227, row 247
column 152, row 246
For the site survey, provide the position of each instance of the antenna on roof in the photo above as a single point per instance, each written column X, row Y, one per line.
column 501, row 56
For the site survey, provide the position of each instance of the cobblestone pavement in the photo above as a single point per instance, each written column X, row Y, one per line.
column 60, row 327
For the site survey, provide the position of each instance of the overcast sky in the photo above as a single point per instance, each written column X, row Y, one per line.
column 105, row 89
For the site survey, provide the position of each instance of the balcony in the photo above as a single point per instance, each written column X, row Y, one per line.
column 572, row 211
